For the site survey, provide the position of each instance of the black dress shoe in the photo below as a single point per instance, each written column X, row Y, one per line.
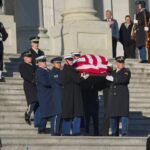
column 41, row 132
column 2, row 79
column 76, row 134
column 124, row 134
column 56, row 134
column 36, row 126
column 27, row 118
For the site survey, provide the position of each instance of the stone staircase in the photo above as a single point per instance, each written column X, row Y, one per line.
column 17, row 135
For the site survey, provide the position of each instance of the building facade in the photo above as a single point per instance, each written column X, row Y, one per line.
column 25, row 18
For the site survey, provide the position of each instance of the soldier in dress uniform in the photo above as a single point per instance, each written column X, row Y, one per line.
column 35, row 51
column 3, row 37
column 49, row 106
column 118, row 97
column 27, row 72
column 142, row 17
column 91, row 104
column 72, row 104
column 56, row 71
column 76, row 55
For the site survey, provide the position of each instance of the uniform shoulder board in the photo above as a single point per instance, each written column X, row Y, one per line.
column 127, row 71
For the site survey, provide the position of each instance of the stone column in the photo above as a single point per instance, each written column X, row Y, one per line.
column 42, row 29
column 81, row 30
column 79, row 10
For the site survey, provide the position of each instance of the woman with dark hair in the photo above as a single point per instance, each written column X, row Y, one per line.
column 128, row 43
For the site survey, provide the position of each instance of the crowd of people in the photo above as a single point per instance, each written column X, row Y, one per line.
column 69, row 99
column 132, row 34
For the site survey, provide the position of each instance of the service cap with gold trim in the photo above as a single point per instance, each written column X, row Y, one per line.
column 26, row 54
column 120, row 59
column 41, row 59
column 34, row 39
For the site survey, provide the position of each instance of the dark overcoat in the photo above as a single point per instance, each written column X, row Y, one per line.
column 27, row 72
column 118, row 97
column 125, row 35
column 140, row 33
column 45, row 92
column 72, row 104
column 56, row 85
column 35, row 55
column 90, row 88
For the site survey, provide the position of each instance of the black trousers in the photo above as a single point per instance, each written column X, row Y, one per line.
column 95, row 119
column 114, row 46
column 106, row 120
column 105, row 125
column 129, row 51
column 1, row 55
column 148, row 144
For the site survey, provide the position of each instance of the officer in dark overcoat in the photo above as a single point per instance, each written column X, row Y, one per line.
column 27, row 72
column 48, row 104
column 72, row 104
column 35, row 51
column 118, row 97
column 141, row 18
column 91, row 104
column 3, row 37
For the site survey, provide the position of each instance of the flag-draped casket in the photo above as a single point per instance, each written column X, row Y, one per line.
column 93, row 64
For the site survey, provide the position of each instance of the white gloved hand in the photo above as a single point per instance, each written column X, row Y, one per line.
column 146, row 28
column 135, row 21
column 85, row 76
column 110, row 78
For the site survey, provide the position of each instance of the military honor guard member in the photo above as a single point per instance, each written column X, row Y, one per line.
column 76, row 55
column 118, row 103
column 72, row 103
column 91, row 105
column 3, row 37
column 142, row 31
column 35, row 51
column 56, row 72
column 27, row 72
column 49, row 106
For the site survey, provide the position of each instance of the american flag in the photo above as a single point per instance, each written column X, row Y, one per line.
column 91, row 64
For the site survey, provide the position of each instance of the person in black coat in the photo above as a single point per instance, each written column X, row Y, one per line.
column 128, row 43
column 3, row 37
column 49, row 106
column 35, row 51
column 72, row 103
column 27, row 72
column 91, row 104
column 118, row 97
column 142, row 29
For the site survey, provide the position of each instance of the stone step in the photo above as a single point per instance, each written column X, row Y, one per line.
column 16, row 126
column 19, row 132
column 74, row 143
column 14, row 102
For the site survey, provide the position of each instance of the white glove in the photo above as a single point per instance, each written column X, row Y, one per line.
column 85, row 76
column 135, row 21
column 110, row 78
column 146, row 29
